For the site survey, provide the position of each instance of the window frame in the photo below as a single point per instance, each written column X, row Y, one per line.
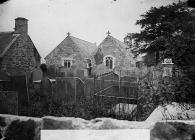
column 111, row 61
column 68, row 62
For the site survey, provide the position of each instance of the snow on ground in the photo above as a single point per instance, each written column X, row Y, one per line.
column 123, row 108
column 174, row 111
column 109, row 123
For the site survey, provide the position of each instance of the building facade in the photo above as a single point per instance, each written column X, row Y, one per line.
column 71, row 53
column 113, row 55
column 18, row 53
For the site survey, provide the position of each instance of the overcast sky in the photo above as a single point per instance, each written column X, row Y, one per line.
column 50, row 20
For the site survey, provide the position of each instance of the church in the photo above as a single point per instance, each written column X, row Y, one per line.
column 74, row 53
column 113, row 55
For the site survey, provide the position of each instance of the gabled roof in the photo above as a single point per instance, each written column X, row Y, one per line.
column 120, row 45
column 117, row 42
column 85, row 47
column 6, row 40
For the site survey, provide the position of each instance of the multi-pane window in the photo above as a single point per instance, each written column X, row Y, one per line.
column 109, row 62
column 67, row 63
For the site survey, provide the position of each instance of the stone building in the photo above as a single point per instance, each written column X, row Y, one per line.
column 72, row 53
column 18, row 54
column 113, row 54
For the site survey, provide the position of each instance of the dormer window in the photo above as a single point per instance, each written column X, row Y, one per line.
column 109, row 61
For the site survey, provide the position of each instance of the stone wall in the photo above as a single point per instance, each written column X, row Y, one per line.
column 22, row 56
column 66, row 49
column 123, row 58
column 23, row 128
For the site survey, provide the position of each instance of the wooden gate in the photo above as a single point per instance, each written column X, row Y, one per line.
column 115, row 95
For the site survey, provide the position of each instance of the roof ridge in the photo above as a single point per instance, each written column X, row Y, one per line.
column 78, row 46
column 55, row 47
column 9, row 45
column 82, row 40
column 119, row 41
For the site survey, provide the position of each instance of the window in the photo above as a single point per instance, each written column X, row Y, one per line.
column 109, row 62
column 67, row 63
column 89, row 65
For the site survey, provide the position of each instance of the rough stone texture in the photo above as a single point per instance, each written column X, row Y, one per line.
column 164, row 130
column 173, row 131
column 110, row 46
column 20, row 127
column 21, row 56
column 73, row 48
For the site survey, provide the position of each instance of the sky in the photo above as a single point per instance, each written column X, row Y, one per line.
column 51, row 20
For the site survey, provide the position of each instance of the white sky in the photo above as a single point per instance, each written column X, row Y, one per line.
column 50, row 20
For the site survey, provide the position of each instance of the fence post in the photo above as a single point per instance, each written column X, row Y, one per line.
column 119, row 82
column 75, row 94
column 94, row 84
column 27, row 90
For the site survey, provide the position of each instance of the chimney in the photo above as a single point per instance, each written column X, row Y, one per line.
column 21, row 25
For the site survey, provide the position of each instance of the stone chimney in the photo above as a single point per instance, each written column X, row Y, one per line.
column 21, row 25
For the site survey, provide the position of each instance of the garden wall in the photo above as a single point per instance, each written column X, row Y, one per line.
column 28, row 128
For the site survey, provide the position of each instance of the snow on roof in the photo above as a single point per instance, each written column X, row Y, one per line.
column 174, row 111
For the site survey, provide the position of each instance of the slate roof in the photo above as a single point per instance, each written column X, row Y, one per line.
column 85, row 47
column 119, row 43
column 6, row 40
column 121, row 46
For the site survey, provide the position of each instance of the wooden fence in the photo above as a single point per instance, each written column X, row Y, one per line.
column 116, row 95
column 69, row 89
column 8, row 102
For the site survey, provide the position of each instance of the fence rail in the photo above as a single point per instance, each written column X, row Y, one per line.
column 118, row 91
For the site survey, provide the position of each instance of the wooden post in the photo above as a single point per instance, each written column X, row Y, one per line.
column 119, row 81
column 65, row 81
column 26, row 82
column 75, row 94
column 94, row 84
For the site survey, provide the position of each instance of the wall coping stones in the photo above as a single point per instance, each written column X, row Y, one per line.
column 171, row 129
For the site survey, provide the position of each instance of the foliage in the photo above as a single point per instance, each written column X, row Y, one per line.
column 85, row 108
column 98, row 57
column 156, row 91
column 169, row 31
column 163, row 22
column 169, row 28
